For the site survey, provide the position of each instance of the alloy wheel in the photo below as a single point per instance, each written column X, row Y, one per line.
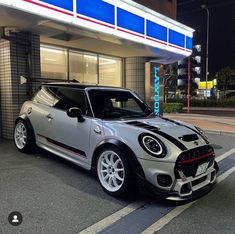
column 20, row 135
column 111, row 171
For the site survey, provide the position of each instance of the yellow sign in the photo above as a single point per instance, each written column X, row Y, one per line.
column 210, row 84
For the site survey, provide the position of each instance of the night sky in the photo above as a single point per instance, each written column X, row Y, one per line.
column 222, row 29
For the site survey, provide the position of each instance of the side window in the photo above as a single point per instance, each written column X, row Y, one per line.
column 45, row 95
column 67, row 98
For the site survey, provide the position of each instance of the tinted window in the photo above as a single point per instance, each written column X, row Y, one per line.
column 45, row 95
column 117, row 104
column 67, row 98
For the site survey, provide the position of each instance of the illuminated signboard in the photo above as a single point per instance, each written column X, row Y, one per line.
column 156, row 90
column 121, row 18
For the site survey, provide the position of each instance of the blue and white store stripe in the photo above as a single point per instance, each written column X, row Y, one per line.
column 122, row 18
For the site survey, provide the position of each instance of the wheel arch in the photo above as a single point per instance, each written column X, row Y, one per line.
column 28, row 122
column 21, row 117
column 134, row 164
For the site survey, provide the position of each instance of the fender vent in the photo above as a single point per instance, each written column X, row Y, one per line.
column 190, row 137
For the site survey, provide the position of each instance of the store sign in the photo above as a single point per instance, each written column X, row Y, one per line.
column 121, row 18
column 207, row 85
column 156, row 90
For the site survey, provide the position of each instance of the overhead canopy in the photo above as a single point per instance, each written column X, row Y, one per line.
column 115, row 27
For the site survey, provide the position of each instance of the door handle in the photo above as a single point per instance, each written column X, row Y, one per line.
column 49, row 117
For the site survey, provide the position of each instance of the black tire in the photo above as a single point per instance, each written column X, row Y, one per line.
column 30, row 144
column 128, row 186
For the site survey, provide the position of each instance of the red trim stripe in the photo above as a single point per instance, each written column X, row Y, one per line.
column 177, row 47
column 155, row 40
column 48, row 7
column 134, row 34
column 66, row 149
column 188, row 50
column 93, row 21
column 195, row 159
column 61, row 147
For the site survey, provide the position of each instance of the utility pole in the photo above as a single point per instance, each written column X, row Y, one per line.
column 207, row 44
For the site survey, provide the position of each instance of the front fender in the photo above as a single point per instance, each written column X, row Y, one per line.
column 134, row 164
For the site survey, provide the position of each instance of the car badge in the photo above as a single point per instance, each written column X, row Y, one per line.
column 182, row 176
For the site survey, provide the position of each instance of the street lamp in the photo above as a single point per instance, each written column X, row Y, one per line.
column 207, row 43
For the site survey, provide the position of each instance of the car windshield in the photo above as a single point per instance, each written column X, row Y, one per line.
column 114, row 104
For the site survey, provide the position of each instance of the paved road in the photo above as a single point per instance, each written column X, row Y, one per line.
column 214, row 213
column 57, row 197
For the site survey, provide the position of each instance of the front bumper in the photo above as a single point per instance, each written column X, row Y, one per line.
column 178, row 189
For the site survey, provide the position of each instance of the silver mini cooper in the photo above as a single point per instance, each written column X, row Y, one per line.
column 114, row 132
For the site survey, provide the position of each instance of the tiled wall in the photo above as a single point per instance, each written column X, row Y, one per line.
column 16, row 57
column 5, row 88
column 135, row 74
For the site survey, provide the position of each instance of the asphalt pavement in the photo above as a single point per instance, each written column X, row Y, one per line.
column 213, row 213
column 55, row 196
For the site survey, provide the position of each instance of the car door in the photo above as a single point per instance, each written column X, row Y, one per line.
column 70, row 137
column 39, row 112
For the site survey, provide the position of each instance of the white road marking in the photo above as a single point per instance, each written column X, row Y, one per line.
column 104, row 223
column 177, row 211
column 225, row 155
column 166, row 219
column 101, row 225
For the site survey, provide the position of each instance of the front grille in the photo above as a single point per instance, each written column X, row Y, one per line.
column 188, row 161
column 198, row 181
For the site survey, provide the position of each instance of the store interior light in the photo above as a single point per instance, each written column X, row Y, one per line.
column 51, row 50
column 49, row 60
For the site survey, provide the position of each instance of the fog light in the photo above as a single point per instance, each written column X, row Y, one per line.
column 164, row 180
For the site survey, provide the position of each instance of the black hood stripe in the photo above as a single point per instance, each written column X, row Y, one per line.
column 180, row 124
column 157, row 131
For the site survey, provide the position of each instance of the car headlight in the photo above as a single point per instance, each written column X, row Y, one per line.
column 152, row 145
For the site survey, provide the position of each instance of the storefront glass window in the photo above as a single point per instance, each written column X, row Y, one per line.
column 90, row 69
column 54, row 63
column 59, row 63
column 83, row 67
column 110, row 71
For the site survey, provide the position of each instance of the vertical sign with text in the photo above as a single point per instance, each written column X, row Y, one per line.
column 154, row 90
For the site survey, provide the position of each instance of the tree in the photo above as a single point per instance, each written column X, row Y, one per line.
column 224, row 78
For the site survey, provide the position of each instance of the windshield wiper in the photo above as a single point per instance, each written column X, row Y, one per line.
column 152, row 114
column 132, row 116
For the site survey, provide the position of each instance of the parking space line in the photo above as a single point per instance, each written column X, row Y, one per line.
column 97, row 227
column 225, row 155
column 177, row 211
column 166, row 219
column 108, row 222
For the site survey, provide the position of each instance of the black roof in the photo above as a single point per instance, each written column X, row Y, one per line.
column 77, row 85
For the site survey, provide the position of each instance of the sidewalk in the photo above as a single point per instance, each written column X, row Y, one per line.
column 232, row 109
column 216, row 124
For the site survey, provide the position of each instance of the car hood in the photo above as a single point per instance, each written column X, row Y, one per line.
column 183, row 135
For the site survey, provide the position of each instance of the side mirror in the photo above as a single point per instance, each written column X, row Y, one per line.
column 75, row 112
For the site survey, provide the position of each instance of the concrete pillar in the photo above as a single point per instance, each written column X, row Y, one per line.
column 19, row 56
